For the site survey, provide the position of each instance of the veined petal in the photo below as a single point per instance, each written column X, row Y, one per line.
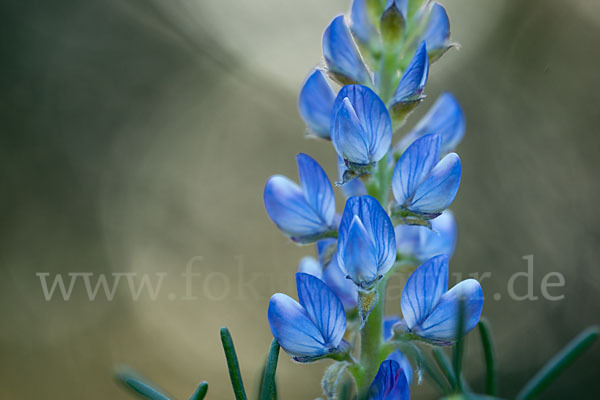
column 444, row 118
column 360, row 24
column 414, row 78
column 316, row 102
column 344, row 288
column 348, row 135
column 423, row 290
column 293, row 329
column 377, row 223
column 288, row 209
column 373, row 116
column 442, row 322
column 311, row 266
column 437, row 33
column 389, row 383
column 403, row 362
column 323, row 308
column 438, row 191
column 355, row 187
column 341, row 54
column 414, row 166
column 358, row 259
column 316, row 187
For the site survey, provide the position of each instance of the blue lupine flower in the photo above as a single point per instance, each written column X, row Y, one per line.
column 412, row 83
column 437, row 32
column 430, row 310
column 366, row 241
column 423, row 243
column 354, row 187
column 361, row 129
column 389, row 383
column 312, row 328
column 315, row 103
column 360, row 23
column 403, row 362
column 304, row 213
column 424, row 186
column 444, row 118
column 330, row 273
column 344, row 61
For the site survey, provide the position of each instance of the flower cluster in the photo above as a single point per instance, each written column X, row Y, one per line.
column 376, row 65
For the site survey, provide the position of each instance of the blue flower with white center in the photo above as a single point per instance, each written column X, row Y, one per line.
column 361, row 128
column 404, row 364
column 437, row 32
column 315, row 104
column 332, row 275
column 423, row 185
column 423, row 243
column 311, row 328
column 389, row 383
column 344, row 61
column 366, row 242
column 430, row 310
column 360, row 23
column 412, row 83
column 444, row 118
column 304, row 213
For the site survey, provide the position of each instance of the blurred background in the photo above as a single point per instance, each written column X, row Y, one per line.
column 137, row 136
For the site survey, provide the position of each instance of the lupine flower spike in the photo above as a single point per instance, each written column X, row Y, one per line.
column 304, row 213
column 424, row 186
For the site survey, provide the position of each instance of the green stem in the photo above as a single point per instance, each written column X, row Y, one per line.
column 371, row 338
column 559, row 363
column 232, row 364
column 490, row 357
column 200, row 393
column 459, row 345
column 387, row 75
column 444, row 364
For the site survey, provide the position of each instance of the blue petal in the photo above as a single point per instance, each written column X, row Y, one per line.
column 344, row 288
column 359, row 255
column 309, row 265
column 374, row 119
column 360, row 24
column 441, row 324
column 388, row 324
column 401, row 5
column 414, row 166
column 438, row 191
column 423, row 290
column 342, row 55
column 414, row 78
column 403, row 362
column 424, row 243
column 377, row 223
column 316, row 187
column 437, row 33
column 293, row 329
column 409, row 239
column 348, row 135
column 287, row 207
column 444, row 118
column 316, row 102
column 355, row 187
column 326, row 249
column 389, row 383
column 323, row 308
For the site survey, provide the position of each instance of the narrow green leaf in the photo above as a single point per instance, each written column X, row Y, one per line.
column 139, row 385
column 459, row 345
column 444, row 363
column 268, row 390
column 559, row 363
column 490, row 357
column 200, row 393
column 233, row 365
column 423, row 362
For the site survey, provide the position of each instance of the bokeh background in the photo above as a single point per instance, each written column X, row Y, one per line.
column 137, row 135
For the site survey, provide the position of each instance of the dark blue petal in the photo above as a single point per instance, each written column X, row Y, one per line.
column 414, row 166
column 360, row 23
column 438, row 191
column 293, row 329
column 403, row 362
column 316, row 187
column 437, row 33
column 316, row 102
column 375, row 122
column 423, row 290
column 414, row 78
column 359, row 255
column 444, row 118
column 323, row 308
column 341, row 53
column 287, row 207
column 355, row 187
column 311, row 266
column 389, row 383
column 442, row 322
